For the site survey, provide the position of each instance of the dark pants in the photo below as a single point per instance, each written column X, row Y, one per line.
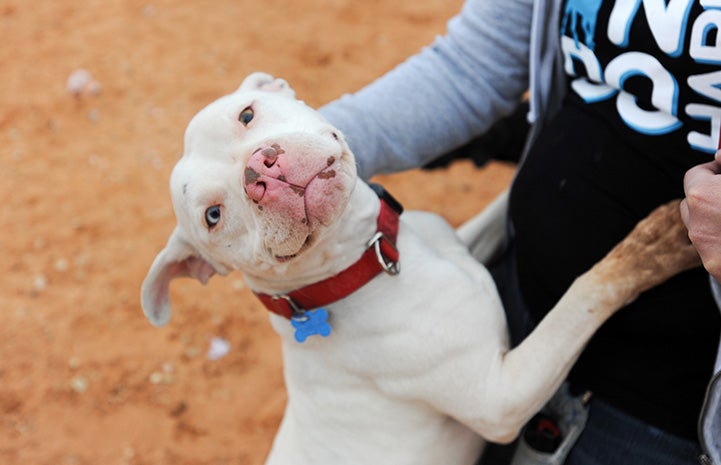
column 610, row 437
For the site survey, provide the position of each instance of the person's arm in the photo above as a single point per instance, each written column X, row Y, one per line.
column 441, row 98
column 701, row 212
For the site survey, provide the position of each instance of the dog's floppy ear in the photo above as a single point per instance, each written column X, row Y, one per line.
column 267, row 83
column 178, row 259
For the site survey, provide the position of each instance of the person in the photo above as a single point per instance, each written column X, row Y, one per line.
column 622, row 103
column 701, row 212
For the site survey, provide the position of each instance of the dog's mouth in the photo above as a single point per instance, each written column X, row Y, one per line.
column 286, row 258
column 291, row 205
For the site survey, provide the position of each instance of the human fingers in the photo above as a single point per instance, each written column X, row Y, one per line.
column 685, row 216
column 701, row 174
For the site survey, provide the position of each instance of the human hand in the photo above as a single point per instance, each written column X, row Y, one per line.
column 701, row 212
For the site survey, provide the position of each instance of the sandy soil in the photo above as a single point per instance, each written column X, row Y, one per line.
column 84, row 379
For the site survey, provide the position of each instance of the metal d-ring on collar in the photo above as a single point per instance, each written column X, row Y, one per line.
column 298, row 311
column 389, row 266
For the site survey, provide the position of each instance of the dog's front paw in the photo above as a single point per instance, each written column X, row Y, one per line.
column 654, row 251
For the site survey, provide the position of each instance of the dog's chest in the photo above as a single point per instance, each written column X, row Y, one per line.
column 367, row 385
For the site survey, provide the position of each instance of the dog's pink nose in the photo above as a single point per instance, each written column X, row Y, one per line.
column 254, row 185
column 264, row 160
column 264, row 171
column 271, row 154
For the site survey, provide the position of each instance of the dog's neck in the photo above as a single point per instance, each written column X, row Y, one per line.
column 337, row 248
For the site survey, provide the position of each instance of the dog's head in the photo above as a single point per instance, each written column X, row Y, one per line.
column 262, row 177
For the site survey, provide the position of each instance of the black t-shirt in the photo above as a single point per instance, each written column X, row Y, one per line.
column 643, row 106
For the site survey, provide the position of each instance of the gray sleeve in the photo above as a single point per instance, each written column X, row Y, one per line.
column 710, row 418
column 441, row 98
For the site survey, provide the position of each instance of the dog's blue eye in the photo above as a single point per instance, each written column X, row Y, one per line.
column 246, row 116
column 212, row 216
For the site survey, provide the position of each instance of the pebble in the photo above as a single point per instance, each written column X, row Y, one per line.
column 156, row 377
column 79, row 384
column 81, row 83
column 165, row 376
column 218, row 349
column 61, row 265
column 77, row 81
column 40, row 283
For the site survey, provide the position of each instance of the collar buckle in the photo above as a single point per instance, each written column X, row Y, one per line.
column 379, row 241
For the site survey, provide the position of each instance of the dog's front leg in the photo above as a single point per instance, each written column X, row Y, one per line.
column 523, row 379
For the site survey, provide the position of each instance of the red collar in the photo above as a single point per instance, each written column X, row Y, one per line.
column 381, row 255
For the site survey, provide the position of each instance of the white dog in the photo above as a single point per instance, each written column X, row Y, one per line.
column 409, row 367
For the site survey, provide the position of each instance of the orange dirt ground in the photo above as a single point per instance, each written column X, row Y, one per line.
column 84, row 378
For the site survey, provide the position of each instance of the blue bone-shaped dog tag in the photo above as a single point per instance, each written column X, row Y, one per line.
column 310, row 323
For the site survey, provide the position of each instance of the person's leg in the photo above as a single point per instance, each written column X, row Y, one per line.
column 613, row 438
